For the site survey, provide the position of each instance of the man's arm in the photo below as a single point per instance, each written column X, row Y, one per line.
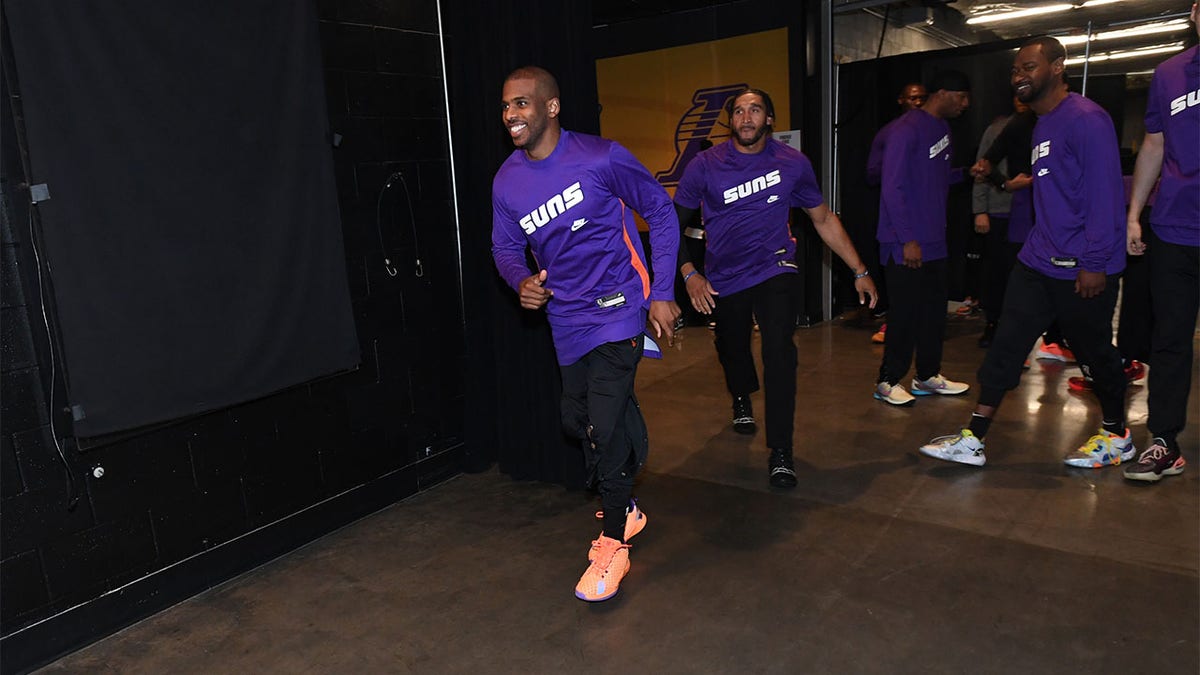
column 1145, row 173
column 637, row 188
column 1095, row 142
column 831, row 231
column 684, row 257
column 893, row 200
column 508, row 252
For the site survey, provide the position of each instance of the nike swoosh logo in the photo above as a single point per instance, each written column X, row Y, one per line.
column 1043, row 172
column 772, row 199
column 578, row 224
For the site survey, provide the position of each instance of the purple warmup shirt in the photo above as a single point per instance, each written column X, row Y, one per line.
column 1020, row 216
column 875, row 157
column 747, row 201
column 1174, row 111
column 915, row 183
column 570, row 208
column 1078, row 196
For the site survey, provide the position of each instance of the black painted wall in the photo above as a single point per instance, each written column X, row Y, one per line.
column 186, row 488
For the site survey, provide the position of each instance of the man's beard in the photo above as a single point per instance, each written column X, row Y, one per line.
column 762, row 131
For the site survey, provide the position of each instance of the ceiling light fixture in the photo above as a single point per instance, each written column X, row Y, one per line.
column 1148, row 29
column 1020, row 13
column 1034, row 11
column 1130, row 54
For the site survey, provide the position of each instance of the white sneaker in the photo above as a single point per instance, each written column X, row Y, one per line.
column 893, row 394
column 962, row 447
column 938, row 384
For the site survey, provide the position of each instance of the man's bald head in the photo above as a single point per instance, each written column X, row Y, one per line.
column 547, row 86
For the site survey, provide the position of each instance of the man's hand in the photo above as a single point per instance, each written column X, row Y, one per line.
column 866, row 289
column 981, row 170
column 702, row 294
column 662, row 317
column 1090, row 284
column 983, row 224
column 912, row 254
column 1133, row 238
column 533, row 291
column 1018, row 182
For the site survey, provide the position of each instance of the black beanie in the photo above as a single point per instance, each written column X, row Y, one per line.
column 950, row 80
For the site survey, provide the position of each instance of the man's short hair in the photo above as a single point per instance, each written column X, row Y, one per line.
column 768, row 105
column 547, row 85
column 1053, row 49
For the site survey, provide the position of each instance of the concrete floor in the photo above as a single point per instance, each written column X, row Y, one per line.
column 880, row 561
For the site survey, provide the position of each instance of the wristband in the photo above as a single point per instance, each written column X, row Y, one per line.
column 689, row 275
column 865, row 273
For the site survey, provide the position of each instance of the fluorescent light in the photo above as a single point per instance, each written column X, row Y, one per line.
column 1034, row 11
column 1147, row 29
column 1129, row 54
column 1020, row 13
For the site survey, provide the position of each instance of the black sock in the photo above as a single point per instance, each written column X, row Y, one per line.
column 1115, row 428
column 614, row 524
column 979, row 425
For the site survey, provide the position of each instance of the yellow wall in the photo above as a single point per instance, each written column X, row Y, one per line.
column 644, row 97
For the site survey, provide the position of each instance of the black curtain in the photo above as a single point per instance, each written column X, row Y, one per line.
column 192, row 231
column 513, row 379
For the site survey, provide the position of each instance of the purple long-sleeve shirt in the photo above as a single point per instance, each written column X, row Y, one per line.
column 1078, row 196
column 915, row 182
column 747, row 199
column 1174, row 111
column 875, row 156
column 572, row 210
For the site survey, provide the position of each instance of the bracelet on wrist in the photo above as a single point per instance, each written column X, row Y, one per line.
column 865, row 273
column 689, row 275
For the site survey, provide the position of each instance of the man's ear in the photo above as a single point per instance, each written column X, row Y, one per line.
column 552, row 106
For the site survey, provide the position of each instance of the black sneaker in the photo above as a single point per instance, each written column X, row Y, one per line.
column 782, row 472
column 1155, row 462
column 743, row 415
column 989, row 332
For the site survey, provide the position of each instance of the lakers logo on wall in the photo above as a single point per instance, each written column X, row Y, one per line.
column 696, row 125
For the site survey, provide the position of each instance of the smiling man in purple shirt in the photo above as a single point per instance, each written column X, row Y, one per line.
column 1171, row 146
column 1069, row 265
column 566, row 196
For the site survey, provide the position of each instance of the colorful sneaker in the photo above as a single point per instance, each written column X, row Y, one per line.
column 893, row 394
column 780, row 468
column 1055, row 352
column 635, row 521
column 880, row 337
column 743, row 415
column 962, row 447
column 609, row 561
column 1155, row 462
column 938, row 384
column 1103, row 449
column 969, row 306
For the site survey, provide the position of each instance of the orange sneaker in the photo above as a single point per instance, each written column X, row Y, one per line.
column 1051, row 351
column 602, row 579
column 880, row 337
column 635, row 521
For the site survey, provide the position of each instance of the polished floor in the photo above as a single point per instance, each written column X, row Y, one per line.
column 880, row 561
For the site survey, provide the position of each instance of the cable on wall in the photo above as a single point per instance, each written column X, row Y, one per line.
column 418, row 268
column 72, row 485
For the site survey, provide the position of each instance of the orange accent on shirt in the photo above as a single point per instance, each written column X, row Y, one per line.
column 634, row 259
